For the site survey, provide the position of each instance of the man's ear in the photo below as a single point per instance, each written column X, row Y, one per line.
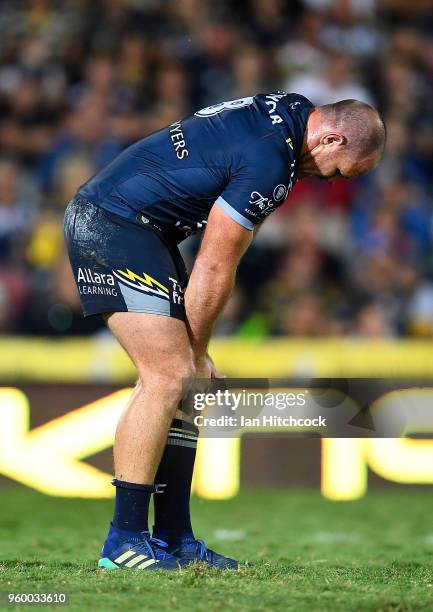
column 333, row 138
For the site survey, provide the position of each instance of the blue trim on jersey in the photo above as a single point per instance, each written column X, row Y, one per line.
column 233, row 213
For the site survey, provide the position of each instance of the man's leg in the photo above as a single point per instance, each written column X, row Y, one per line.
column 160, row 350
column 172, row 509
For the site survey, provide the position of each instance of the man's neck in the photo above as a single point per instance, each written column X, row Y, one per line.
column 305, row 165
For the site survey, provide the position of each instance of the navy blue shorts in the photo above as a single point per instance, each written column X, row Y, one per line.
column 121, row 265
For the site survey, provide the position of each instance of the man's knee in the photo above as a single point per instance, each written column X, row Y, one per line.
column 171, row 378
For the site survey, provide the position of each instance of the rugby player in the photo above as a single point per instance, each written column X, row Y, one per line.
column 222, row 170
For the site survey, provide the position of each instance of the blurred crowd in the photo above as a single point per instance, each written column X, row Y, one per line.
column 82, row 79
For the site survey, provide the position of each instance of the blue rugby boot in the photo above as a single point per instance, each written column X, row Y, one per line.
column 191, row 550
column 129, row 550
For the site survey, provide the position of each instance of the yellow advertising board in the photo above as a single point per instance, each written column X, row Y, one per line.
column 50, row 457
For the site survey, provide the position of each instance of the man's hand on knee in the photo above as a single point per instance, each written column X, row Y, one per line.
column 205, row 368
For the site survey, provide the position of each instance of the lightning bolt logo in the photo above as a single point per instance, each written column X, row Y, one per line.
column 144, row 283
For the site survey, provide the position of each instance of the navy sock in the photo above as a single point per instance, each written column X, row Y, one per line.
column 172, row 513
column 132, row 505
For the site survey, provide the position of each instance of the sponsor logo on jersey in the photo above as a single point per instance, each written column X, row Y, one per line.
column 95, row 283
column 266, row 205
column 143, row 282
column 178, row 140
column 280, row 193
column 260, row 201
column 176, row 291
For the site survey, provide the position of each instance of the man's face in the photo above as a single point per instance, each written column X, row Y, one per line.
column 331, row 160
column 343, row 166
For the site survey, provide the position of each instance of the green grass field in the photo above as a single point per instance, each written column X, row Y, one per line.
column 308, row 554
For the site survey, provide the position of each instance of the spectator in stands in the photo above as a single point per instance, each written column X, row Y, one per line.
column 81, row 80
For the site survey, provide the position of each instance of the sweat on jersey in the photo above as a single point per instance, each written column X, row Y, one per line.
column 240, row 154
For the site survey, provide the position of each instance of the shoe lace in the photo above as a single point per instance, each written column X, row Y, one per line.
column 202, row 550
column 158, row 542
column 149, row 542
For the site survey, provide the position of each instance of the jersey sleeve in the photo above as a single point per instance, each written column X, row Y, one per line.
column 257, row 187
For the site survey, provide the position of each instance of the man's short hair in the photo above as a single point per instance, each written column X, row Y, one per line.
column 360, row 123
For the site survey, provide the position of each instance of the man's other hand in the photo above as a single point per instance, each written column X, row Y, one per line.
column 205, row 368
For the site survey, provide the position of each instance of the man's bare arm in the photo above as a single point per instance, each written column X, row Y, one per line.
column 213, row 276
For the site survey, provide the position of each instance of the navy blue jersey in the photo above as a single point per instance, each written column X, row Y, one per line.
column 240, row 154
